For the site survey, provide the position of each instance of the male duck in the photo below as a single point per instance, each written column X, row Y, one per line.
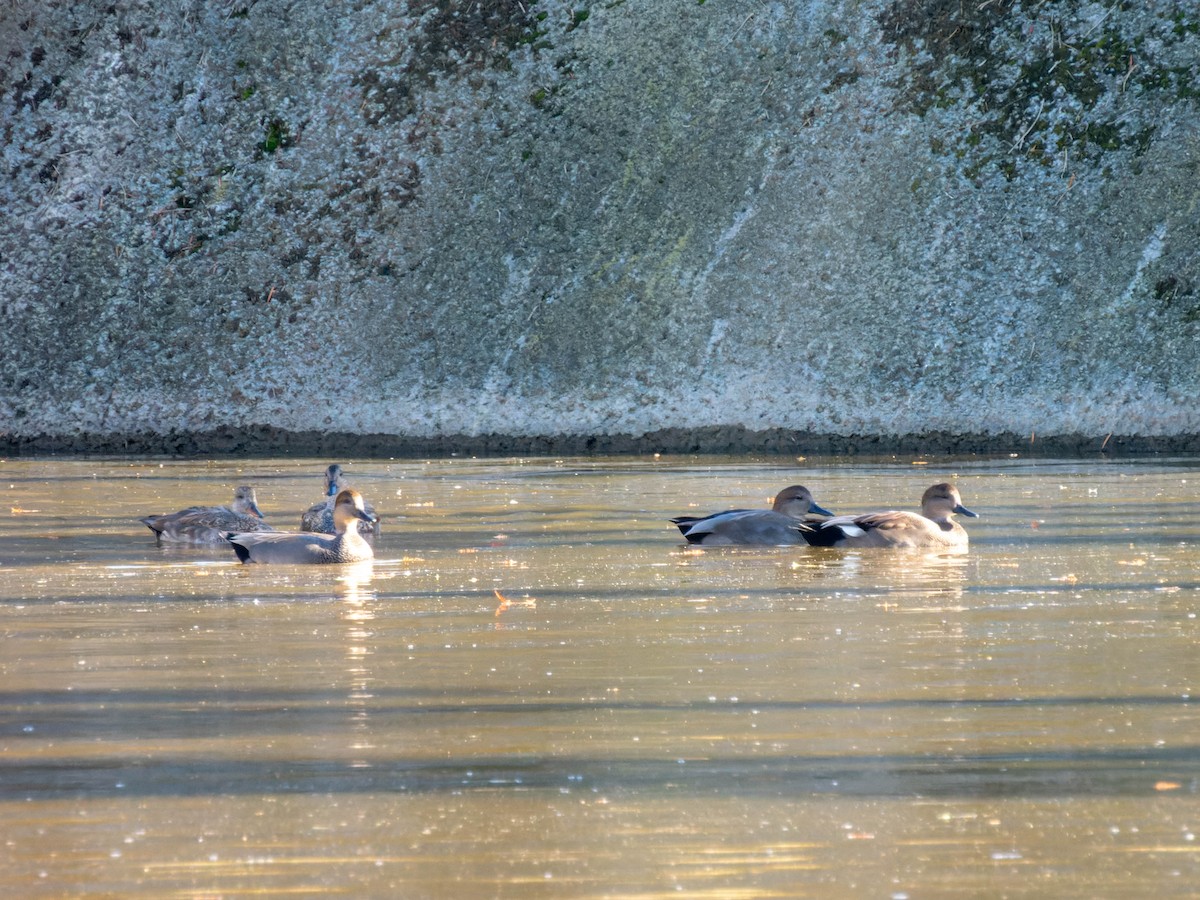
column 345, row 545
column 934, row 528
column 208, row 524
column 319, row 517
column 748, row 527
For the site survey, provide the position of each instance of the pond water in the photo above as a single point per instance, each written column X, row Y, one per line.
column 536, row 690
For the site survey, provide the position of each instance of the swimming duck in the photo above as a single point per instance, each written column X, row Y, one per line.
column 763, row 527
column 319, row 517
column 934, row 528
column 345, row 545
column 208, row 524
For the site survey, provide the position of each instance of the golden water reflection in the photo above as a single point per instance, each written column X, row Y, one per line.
column 536, row 690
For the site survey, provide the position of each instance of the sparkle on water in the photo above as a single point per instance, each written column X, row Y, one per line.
column 537, row 690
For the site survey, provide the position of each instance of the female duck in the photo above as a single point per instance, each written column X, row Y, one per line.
column 749, row 527
column 319, row 517
column 343, row 546
column 208, row 524
column 934, row 528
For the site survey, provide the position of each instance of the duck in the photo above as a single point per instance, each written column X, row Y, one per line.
column 208, row 524
column 933, row 528
column 319, row 517
column 345, row 545
column 754, row 527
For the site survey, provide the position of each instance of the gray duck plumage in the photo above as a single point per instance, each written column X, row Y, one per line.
column 208, row 524
column 754, row 527
column 345, row 545
column 319, row 517
column 933, row 528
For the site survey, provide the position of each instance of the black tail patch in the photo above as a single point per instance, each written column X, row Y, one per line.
column 242, row 553
column 684, row 523
column 818, row 536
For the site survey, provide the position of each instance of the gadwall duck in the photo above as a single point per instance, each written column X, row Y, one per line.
column 763, row 527
column 345, row 545
column 934, row 528
column 319, row 517
column 208, row 524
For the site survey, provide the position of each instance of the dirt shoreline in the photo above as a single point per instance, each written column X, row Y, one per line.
column 266, row 441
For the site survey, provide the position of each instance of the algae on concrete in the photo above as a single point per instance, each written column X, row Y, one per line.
column 418, row 219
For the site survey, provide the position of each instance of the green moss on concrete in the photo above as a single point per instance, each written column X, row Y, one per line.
column 1061, row 81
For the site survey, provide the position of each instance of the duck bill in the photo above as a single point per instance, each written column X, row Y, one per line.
column 819, row 510
column 963, row 511
column 257, row 512
column 365, row 516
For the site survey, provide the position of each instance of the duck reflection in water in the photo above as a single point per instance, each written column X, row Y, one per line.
column 933, row 528
column 209, row 524
column 754, row 527
column 345, row 545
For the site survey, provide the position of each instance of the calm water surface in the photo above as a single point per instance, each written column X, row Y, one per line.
column 536, row 691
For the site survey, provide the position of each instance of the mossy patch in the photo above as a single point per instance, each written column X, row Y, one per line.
column 1174, row 292
column 1062, row 81
column 458, row 33
column 197, row 212
column 460, row 37
column 277, row 136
